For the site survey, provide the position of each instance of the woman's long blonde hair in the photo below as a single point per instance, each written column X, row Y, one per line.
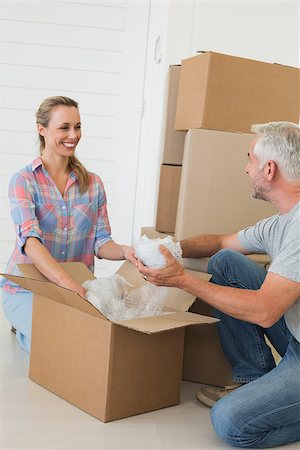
column 42, row 117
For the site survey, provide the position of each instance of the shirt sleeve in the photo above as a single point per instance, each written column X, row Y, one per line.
column 22, row 210
column 254, row 239
column 287, row 261
column 249, row 239
column 103, row 230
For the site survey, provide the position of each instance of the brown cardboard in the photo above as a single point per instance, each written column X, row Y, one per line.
column 167, row 198
column 152, row 233
column 221, row 92
column 108, row 369
column 173, row 140
column 204, row 360
column 214, row 195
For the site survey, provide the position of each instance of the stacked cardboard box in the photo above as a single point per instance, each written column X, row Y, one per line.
column 221, row 92
column 170, row 171
column 217, row 97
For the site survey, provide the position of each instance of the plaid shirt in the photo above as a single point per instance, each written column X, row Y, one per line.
column 72, row 227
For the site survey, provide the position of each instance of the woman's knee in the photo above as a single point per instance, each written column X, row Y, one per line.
column 18, row 311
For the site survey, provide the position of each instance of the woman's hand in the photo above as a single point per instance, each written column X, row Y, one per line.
column 129, row 254
column 80, row 290
column 68, row 283
column 117, row 252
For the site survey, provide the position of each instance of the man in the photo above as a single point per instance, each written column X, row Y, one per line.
column 252, row 303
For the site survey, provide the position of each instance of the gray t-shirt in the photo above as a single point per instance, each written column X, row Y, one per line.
column 279, row 237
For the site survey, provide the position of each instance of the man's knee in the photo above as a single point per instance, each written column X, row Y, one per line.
column 222, row 420
column 232, row 422
column 221, row 259
column 225, row 419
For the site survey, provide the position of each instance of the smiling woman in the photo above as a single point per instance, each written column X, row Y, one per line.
column 59, row 128
column 59, row 212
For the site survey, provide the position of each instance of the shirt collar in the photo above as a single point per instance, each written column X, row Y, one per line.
column 37, row 162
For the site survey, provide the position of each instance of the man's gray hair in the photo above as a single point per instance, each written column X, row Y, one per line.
column 279, row 142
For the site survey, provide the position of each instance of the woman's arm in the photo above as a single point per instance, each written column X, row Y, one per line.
column 49, row 267
column 113, row 251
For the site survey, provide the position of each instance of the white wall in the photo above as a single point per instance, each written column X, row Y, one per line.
column 94, row 52
column 263, row 30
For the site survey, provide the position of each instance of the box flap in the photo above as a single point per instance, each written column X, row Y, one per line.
column 37, row 283
column 177, row 299
column 77, row 270
column 165, row 322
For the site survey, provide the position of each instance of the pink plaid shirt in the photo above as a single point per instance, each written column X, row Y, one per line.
column 72, row 227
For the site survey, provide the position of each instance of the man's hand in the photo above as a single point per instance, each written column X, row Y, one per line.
column 171, row 275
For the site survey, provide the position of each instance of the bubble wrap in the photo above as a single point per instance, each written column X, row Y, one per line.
column 119, row 300
column 147, row 250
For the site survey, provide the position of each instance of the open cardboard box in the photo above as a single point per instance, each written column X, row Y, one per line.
column 109, row 369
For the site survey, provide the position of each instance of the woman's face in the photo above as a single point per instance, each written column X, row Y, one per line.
column 63, row 131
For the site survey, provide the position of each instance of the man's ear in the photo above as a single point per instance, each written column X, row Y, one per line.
column 270, row 170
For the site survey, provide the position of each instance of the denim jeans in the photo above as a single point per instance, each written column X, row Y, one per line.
column 18, row 311
column 264, row 412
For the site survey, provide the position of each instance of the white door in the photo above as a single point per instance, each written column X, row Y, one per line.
column 95, row 53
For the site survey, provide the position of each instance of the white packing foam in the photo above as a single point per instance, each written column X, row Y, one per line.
column 147, row 250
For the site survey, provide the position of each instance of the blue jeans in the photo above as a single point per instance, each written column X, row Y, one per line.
column 265, row 412
column 18, row 311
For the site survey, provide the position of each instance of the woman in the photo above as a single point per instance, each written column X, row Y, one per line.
column 59, row 213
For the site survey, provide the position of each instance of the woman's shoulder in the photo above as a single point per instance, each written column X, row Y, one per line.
column 95, row 179
column 22, row 174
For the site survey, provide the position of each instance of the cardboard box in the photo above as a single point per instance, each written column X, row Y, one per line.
column 214, row 195
column 109, row 369
column 173, row 140
column 204, row 360
column 167, row 198
column 221, row 92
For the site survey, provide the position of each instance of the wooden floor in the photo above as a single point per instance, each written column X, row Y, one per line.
column 33, row 418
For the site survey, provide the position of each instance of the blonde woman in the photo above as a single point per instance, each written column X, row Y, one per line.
column 59, row 212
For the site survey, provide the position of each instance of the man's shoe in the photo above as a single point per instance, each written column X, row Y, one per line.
column 211, row 394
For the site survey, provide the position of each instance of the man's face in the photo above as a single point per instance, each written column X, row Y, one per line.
column 259, row 186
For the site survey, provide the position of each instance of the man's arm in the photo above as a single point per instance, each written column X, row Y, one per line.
column 263, row 307
column 209, row 244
